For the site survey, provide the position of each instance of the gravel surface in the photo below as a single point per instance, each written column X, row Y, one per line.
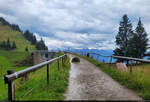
column 87, row 82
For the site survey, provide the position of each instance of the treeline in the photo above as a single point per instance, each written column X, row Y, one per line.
column 40, row 45
column 8, row 45
column 13, row 26
column 131, row 43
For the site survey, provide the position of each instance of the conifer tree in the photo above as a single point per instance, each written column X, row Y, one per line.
column 8, row 45
column 14, row 45
column 138, row 42
column 4, row 44
column 125, row 31
column 33, row 40
column 40, row 45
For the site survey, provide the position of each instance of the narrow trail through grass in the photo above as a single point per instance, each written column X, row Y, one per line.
column 140, row 81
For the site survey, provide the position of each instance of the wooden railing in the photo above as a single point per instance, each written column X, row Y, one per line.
column 118, row 57
column 11, row 76
column 133, row 61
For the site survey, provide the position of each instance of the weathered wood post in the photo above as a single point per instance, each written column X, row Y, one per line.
column 88, row 54
column 11, row 87
column 97, row 57
column 110, row 61
column 103, row 61
column 47, row 74
column 136, row 65
column 127, row 62
column 131, row 69
column 92, row 55
column 65, row 58
column 58, row 64
column 142, row 67
column 62, row 62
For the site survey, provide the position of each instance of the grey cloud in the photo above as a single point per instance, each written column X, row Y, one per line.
column 76, row 23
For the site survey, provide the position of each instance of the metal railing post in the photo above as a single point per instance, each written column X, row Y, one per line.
column 11, row 87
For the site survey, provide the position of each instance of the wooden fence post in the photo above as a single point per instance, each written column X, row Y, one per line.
column 131, row 69
column 65, row 58
column 110, row 61
column 58, row 64
column 62, row 62
column 47, row 74
column 97, row 57
column 103, row 61
column 11, row 87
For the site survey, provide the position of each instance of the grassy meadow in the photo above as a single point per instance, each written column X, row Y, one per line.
column 139, row 81
column 8, row 58
column 35, row 87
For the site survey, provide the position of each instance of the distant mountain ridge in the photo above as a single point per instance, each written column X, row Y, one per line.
column 104, row 52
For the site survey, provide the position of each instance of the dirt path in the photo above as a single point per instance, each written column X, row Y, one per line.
column 87, row 82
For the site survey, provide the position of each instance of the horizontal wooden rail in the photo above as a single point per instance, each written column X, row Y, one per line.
column 9, row 79
column 21, row 73
column 121, row 57
column 131, row 58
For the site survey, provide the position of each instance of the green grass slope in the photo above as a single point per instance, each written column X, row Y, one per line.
column 7, row 32
column 8, row 58
column 37, row 83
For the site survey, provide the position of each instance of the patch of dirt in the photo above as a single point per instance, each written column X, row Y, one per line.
column 87, row 82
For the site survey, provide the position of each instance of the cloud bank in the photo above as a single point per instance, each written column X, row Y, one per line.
column 75, row 23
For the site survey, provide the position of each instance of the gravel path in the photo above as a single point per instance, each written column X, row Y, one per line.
column 87, row 82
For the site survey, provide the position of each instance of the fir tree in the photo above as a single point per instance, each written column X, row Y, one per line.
column 14, row 45
column 138, row 43
column 34, row 41
column 27, row 34
column 8, row 45
column 125, row 31
column 4, row 44
column 40, row 45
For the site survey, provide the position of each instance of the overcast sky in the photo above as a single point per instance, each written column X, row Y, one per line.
column 75, row 23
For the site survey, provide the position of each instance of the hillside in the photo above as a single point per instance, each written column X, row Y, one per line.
column 8, row 58
column 7, row 32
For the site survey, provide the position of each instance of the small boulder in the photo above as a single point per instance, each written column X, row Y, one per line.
column 75, row 59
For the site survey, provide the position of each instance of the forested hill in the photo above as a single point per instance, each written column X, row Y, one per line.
column 23, row 40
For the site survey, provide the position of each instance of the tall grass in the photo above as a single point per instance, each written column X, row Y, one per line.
column 139, row 81
column 35, row 86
